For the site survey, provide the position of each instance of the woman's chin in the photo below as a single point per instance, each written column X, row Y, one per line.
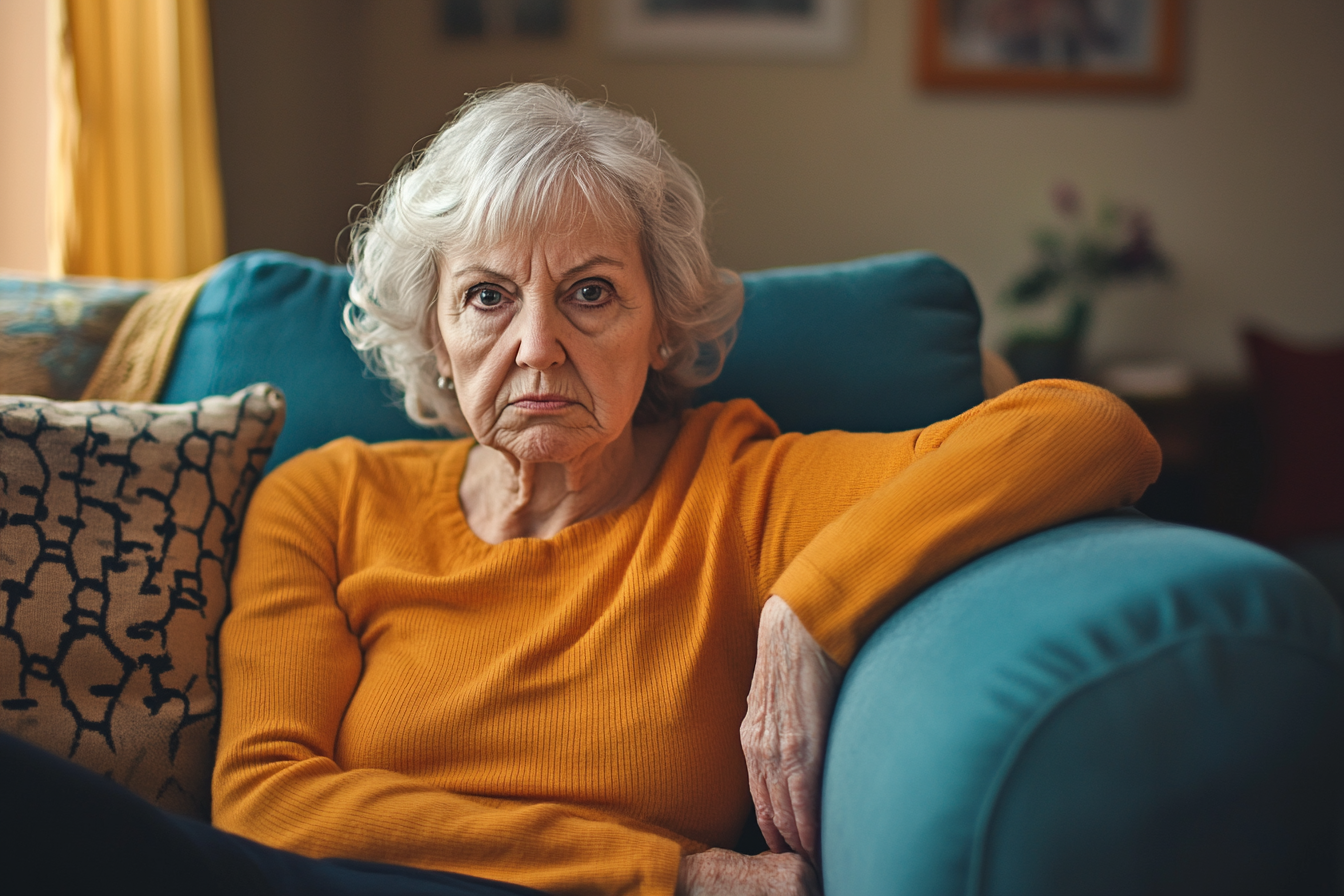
column 546, row 443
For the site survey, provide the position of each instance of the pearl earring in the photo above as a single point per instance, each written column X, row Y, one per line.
column 664, row 352
column 445, row 383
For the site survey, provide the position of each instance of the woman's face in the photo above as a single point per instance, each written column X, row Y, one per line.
column 548, row 342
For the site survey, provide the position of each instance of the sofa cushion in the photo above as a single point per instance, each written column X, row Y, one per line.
column 275, row 317
column 880, row 344
column 1113, row 705
column 52, row 332
column 119, row 524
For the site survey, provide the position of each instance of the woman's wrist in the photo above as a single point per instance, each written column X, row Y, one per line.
column 722, row 872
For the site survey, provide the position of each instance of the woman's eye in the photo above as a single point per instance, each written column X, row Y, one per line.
column 591, row 293
column 489, row 297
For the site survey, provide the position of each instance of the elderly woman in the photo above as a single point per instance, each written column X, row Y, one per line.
column 585, row 647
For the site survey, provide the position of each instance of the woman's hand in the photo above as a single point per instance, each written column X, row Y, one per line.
column 721, row 872
column 784, row 733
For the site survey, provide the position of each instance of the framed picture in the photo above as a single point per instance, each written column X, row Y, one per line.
column 783, row 30
column 1051, row 46
column 502, row 18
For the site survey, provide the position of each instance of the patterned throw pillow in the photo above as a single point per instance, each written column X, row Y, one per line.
column 119, row 525
column 52, row 332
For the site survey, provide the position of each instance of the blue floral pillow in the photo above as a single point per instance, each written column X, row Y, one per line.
column 53, row 332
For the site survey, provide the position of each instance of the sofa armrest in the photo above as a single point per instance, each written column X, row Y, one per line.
column 1113, row 705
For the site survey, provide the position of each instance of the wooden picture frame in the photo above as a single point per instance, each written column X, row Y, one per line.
column 735, row 30
column 996, row 46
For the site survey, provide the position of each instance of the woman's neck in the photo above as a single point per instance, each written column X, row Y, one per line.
column 503, row 497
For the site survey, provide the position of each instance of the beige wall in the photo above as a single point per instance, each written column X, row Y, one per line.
column 23, row 135
column 1243, row 171
column 287, row 120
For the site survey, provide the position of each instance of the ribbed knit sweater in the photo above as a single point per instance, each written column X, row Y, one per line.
column 563, row 712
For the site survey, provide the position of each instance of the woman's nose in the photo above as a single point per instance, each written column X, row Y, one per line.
column 539, row 341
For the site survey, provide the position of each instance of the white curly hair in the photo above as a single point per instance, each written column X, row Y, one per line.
column 498, row 170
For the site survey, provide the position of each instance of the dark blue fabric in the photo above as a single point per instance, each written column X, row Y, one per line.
column 880, row 344
column 64, row 829
column 275, row 317
column 1111, row 706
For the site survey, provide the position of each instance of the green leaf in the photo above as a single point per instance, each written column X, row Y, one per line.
column 1095, row 260
column 1033, row 285
column 1049, row 243
column 1108, row 216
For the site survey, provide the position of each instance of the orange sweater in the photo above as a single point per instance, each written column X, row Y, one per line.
column 564, row 712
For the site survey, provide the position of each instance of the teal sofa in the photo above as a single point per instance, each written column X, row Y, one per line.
column 1114, row 705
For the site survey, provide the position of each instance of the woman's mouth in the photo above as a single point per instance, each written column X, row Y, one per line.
column 541, row 403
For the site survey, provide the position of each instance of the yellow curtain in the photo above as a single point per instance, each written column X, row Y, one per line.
column 134, row 180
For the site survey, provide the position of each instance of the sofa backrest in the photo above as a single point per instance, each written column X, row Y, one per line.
column 274, row 317
column 879, row 344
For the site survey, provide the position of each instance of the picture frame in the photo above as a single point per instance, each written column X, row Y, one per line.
column 738, row 30
column 475, row 19
column 1052, row 47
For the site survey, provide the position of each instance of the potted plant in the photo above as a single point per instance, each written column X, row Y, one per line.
column 1077, row 260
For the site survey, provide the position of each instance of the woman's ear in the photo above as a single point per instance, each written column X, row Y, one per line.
column 659, row 351
column 442, row 363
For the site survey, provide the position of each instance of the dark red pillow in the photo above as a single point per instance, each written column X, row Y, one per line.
column 1301, row 396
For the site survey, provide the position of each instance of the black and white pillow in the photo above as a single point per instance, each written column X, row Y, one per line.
column 119, row 525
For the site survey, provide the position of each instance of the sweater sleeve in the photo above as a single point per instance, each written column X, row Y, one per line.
column 290, row 664
column 918, row 504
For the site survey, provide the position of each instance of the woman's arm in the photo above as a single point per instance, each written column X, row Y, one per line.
column 784, row 732
column 1039, row 455
column 722, row 872
column 290, row 664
